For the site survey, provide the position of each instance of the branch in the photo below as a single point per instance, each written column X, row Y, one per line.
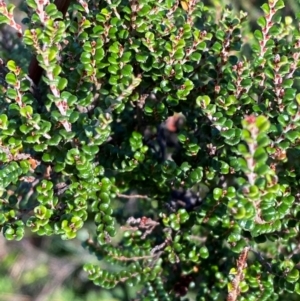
column 241, row 265
column 35, row 70
column 132, row 196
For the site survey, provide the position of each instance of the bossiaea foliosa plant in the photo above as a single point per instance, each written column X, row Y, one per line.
column 217, row 215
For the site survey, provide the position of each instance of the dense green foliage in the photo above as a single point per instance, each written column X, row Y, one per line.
column 84, row 147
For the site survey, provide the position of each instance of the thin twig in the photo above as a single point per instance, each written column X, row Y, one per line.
column 239, row 277
column 14, row 297
column 135, row 258
column 132, row 196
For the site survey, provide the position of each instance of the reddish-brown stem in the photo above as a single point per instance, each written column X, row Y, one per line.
column 35, row 70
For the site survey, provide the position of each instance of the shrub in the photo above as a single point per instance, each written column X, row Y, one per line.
column 124, row 80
